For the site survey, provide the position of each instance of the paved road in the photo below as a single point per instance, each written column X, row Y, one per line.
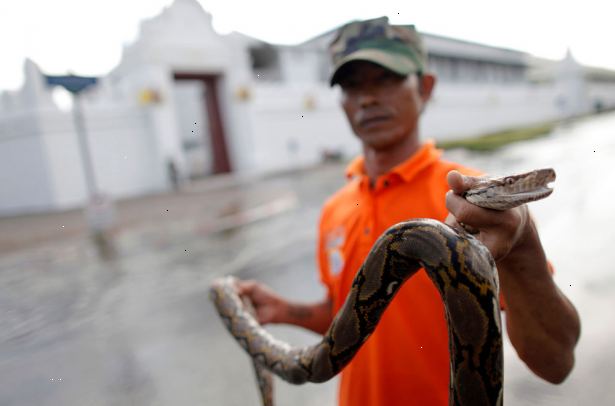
column 136, row 328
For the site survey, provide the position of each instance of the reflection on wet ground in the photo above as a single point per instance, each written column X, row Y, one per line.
column 137, row 328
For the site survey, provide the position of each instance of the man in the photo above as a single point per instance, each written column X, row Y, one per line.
column 381, row 70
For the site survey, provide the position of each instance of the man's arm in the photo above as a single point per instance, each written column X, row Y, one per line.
column 273, row 308
column 542, row 323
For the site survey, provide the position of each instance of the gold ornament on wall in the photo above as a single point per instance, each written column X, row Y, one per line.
column 242, row 93
column 309, row 102
column 149, row 96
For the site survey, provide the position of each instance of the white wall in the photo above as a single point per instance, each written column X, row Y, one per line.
column 458, row 110
column 24, row 173
column 24, row 177
column 605, row 92
column 126, row 160
column 123, row 153
column 269, row 126
column 287, row 133
column 65, row 170
column 292, row 126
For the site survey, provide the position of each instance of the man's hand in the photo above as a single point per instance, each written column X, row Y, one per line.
column 272, row 308
column 499, row 231
column 542, row 324
column 269, row 307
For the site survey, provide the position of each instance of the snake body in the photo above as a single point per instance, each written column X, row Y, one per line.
column 458, row 264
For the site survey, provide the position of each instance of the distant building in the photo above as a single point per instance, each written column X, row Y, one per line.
column 186, row 102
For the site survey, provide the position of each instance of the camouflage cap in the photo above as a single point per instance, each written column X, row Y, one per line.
column 398, row 48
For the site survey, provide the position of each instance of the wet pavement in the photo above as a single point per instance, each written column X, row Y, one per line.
column 136, row 327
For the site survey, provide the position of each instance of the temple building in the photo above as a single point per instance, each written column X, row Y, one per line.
column 187, row 102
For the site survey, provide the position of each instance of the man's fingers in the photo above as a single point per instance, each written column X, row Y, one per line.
column 459, row 183
column 264, row 317
column 451, row 220
column 245, row 288
column 456, row 182
column 467, row 213
column 498, row 230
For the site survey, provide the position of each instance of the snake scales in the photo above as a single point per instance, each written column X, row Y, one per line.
column 460, row 267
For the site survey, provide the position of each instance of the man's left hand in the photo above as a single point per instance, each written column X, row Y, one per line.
column 499, row 231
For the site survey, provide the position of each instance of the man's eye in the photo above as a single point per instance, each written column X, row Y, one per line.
column 389, row 79
column 349, row 85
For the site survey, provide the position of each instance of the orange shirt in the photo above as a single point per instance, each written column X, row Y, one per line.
column 406, row 360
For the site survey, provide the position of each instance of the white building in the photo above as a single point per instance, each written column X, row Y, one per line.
column 185, row 100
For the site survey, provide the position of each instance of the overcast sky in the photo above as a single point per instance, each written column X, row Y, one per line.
column 86, row 36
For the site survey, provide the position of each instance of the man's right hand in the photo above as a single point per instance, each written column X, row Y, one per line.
column 269, row 307
column 272, row 308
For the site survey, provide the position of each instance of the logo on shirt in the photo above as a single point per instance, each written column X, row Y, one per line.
column 334, row 242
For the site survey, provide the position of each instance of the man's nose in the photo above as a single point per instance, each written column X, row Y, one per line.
column 367, row 97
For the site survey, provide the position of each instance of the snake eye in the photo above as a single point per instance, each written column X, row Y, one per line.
column 509, row 181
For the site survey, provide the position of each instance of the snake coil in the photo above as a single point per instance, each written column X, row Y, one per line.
column 458, row 264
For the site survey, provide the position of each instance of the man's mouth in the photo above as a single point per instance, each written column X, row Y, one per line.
column 373, row 121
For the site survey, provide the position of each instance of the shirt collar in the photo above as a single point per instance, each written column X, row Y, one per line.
column 423, row 157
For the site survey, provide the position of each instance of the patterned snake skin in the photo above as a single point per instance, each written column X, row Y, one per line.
column 460, row 267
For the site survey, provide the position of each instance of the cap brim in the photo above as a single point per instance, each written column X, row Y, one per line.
column 400, row 64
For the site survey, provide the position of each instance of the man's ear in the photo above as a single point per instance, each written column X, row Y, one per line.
column 427, row 81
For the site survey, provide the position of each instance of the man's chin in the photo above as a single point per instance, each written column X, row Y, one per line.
column 377, row 141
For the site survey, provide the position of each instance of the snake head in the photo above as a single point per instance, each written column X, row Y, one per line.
column 506, row 192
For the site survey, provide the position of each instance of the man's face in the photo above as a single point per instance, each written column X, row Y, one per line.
column 382, row 107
